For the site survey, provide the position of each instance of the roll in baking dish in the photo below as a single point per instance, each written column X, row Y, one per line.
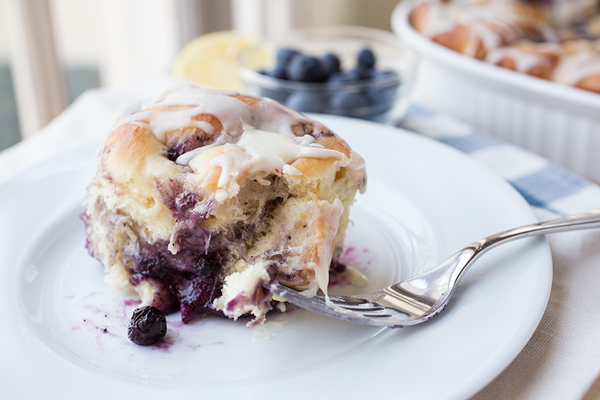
column 555, row 40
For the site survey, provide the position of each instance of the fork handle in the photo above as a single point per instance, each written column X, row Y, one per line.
column 463, row 259
column 587, row 220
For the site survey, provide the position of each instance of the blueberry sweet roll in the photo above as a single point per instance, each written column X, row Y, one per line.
column 201, row 197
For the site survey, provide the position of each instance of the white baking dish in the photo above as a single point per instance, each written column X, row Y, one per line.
column 558, row 122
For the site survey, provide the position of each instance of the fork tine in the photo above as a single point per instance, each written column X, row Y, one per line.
column 365, row 311
column 377, row 315
column 360, row 308
column 319, row 305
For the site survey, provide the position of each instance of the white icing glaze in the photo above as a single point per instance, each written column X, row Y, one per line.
column 263, row 151
column 574, row 68
column 291, row 170
column 524, row 60
column 231, row 112
column 330, row 218
column 356, row 161
column 162, row 122
column 185, row 158
column 231, row 162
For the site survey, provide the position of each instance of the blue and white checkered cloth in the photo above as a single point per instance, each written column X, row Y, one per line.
column 543, row 184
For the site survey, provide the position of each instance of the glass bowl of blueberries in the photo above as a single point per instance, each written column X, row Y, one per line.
column 350, row 71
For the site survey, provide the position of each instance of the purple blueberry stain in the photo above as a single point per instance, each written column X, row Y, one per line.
column 134, row 302
column 164, row 345
column 351, row 258
column 175, row 324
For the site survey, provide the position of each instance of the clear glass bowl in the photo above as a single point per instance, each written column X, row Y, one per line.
column 384, row 98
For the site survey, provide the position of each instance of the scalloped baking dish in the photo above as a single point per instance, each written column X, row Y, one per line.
column 558, row 122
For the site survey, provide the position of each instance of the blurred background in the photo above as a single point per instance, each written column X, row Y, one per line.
column 53, row 50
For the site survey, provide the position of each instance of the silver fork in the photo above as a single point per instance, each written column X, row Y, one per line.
column 422, row 297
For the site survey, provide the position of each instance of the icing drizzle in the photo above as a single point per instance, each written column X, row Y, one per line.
column 190, row 101
column 263, row 151
column 255, row 138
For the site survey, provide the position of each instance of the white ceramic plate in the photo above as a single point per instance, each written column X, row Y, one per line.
column 64, row 330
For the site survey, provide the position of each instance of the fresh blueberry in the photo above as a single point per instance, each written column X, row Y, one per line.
column 341, row 79
column 285, row 55
column 352, row 75
column 331, row 62
column 348, row 103
column 366, row 58
column 306, row 69
column 307, row 101
column 279, row 72
column 357, row 74
column 364, row 73
column 337, row 79
column 207, row 266
column 383, row 87
column 337, row 82
column 147, row 326
column 381, row 94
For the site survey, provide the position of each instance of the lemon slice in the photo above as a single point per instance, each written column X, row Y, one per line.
column 212, row 59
